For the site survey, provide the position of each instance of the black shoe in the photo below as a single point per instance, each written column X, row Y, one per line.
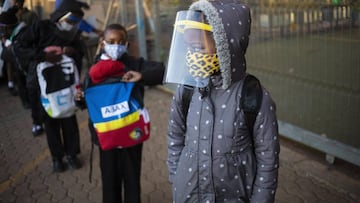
column 58, row 165
column 13, row 91
column 74, row 162
column 37, row 130
column 26, row 105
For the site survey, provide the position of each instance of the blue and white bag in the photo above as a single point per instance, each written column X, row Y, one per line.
column 58, row 87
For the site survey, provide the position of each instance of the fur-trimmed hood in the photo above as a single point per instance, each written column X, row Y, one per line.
column 230, row 21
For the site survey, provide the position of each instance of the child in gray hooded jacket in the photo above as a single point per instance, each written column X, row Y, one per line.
column 212, row 154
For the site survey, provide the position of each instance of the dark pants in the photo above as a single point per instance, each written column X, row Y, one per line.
column 37, row 112
column 121, row 167
column 21, row 84
column 62, row 136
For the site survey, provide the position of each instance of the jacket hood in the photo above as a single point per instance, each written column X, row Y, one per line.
column 230, row 21
column 65, row 7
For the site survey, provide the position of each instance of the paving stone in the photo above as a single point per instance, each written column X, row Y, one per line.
column 87, row 186
column 95, row 194
column 4, row 173
column 52, row 180
column 68, row 181
column 37, row 187
column 46, row 198
column 76, row 191
column 80, row 196
column 58, row 194
column 147, row 187
column 158, row 196
column 24, row 199
column 37, row 194
column 22, row 190
column 66, row 200
column 8, row 195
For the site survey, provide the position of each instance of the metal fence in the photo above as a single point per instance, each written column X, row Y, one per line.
column 309, row 59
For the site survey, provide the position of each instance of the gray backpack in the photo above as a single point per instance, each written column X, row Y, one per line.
column 250, row 102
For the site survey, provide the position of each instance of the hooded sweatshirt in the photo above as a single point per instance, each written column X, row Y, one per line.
column 212, row 156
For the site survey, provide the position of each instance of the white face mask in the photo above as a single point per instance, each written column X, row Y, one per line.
column 64, row 26
column 115, row 51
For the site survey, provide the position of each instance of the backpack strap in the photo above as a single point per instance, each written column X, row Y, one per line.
column 250, row 102
column 18, row 64
column 186, row 98
column 251, row 99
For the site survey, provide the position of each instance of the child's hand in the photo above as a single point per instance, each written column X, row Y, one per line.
column 79, row 95
column 7, row 43
column 131, row 76
column 53, row 54
column 53, row 49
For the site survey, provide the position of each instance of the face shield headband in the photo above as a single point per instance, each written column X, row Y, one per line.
column 70, row 18
column 68, row 22
column 67, row 26
column 182, row 25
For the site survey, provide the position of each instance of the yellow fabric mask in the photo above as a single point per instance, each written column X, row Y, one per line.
column 202, row 65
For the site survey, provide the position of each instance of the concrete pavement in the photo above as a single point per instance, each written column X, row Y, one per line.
column 26, row 172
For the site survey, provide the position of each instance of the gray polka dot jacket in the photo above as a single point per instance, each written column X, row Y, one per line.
column 211, row 155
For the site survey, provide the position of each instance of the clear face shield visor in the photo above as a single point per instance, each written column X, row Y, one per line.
column 192, row 57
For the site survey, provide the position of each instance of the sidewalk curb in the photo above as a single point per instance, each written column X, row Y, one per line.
column 331, row 178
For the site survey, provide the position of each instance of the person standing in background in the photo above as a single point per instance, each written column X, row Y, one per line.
column 24, row 14
column 25, row 18
column 10, row 29
column 47, row 41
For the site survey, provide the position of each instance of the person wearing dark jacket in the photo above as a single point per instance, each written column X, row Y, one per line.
column 121, row 167
column 11, row 29
column 8, row 23
column 25, row 18
column 46, row 41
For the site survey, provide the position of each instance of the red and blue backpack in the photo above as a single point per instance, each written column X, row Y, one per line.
column 117, row 117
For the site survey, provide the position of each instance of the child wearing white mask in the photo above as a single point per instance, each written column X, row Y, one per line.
column 120, row 167
column 114, row 51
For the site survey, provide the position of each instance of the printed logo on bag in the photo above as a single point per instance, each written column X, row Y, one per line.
column 136, row 134
column 114, row 110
